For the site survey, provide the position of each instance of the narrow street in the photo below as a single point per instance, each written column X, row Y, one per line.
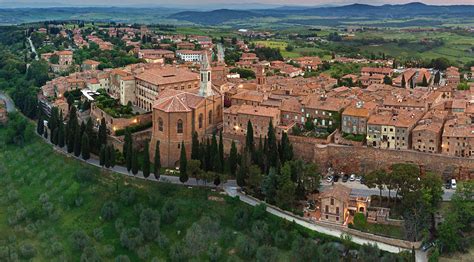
column 9, row 102
column 33, row 49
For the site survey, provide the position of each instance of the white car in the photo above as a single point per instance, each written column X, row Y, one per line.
column 329, row 179
column 453, row 183
column 352, row 178
column 358, row 178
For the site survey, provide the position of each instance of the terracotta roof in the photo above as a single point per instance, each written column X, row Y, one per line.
column 458, row 128
column 358, row 112
column 90, row 62
column 397, row 118
column 338, row 192
column 291, row 105
column 170, row 100
column 327, row 104
column 167, row 75
column 376, row 70
column 258, row 111
column 249, row 95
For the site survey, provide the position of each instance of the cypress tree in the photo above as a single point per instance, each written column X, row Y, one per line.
column 102, row 137
column 85, row 146
column 102, row 155
column 112, row 155
column 404, row 82
column 127, row 139
column 107, row 156
column 243, row 168
column 221, row 153
column 40, row 125
column 46, row 133
column 249, row 143
column 134, row 162
column 285, row 150
column 216, row 165
column 183, row 165
column 72, row 125
column 77, row 142
column 207, row 155
column 195, row 147
column 90, row 134
column 83, row 128
column 425, row 81
column 61, row 135
column 54, row 136
column 437, row 78
column 128, row 155
column 53, row 120
column 273, row 157
column 146, row 161
column 157, row 161
column 233, row 158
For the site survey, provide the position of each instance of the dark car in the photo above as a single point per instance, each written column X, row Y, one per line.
column 362, row 180
column 336, row 178
column 345, row 178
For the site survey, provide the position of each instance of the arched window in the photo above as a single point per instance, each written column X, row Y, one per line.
column 160, row 124
column 210, row 116
column 208, row 76
column 179, row 126
column 219, row 111
column 200, row 120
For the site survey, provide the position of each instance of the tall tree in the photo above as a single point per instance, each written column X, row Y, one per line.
column 285, row 149
column 77, row 142
column 112, row 156
column 146, row 161
column 273, row 158
column 54, row 136
column 195, row 147
column 157, row 163
column 285, row 194
column 40, row 125
column 216, row 163
column 437, row 78
column 61, row 135
column 107, row 156
column 85, row 146
column 249, row 141
column 404, row 82
column 270, row 186
column 233, row 158
column 102, row 155
column 91, row 134
column 129, row 153
column 134, row 162
column 102, row 137
column 221, row 153
column 183, row 164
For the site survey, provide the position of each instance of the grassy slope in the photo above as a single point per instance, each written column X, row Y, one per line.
column 35, row 169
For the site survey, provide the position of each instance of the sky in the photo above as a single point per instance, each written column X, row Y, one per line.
column 217, row 3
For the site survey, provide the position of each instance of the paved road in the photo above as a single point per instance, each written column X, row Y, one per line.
column 9, row 102
column 362, row 190
column 220, row 53
column 33, row 49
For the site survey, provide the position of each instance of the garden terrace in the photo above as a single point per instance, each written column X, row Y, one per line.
column 112, row 107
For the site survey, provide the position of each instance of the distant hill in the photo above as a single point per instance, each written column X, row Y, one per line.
column 411, row 10
column 214, row 17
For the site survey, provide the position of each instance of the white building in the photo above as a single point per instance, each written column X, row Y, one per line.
column 189, row 55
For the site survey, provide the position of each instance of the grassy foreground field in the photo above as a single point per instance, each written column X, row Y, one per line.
column 55, row 208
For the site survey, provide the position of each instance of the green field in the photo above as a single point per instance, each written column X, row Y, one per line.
column 280, row 45
column 52, row 209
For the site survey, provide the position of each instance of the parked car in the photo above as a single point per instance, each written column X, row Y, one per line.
column 329, row 179
column 336, row 178
column 345, row 178
column 362, row 180
column 427, row 246
column 447, row 185
column 358, row 178
column 352, row 178
column 453, row 183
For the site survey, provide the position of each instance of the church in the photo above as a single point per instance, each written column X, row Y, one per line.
column 177, row 114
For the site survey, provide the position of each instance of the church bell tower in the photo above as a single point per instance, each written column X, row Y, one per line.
column 205, row 88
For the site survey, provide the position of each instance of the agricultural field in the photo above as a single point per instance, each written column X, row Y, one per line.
column 58, row 209
column 280, row 45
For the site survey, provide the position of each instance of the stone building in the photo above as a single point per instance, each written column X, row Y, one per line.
column 354, row 118
column 334, row 204
column 426, row 136
column 89, row 65
column 324, row 111
column 458, row 137
column 391, row 129
column 154, row 80
column 179, row 112
column 236, row 119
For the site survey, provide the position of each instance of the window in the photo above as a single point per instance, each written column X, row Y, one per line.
column 160, row 124
column 200, row 120
column 332, row 201
column 327, row 209
column 210, row 117
column 337, row 210
column 179, row 126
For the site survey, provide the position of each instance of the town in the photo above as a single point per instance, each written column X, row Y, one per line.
column 371, row 147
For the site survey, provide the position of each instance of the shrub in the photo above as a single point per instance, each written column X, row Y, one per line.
column 241, row 219
column 98, row 233
column 150, row 223
column 79, row 240
column 90, row 255
column 360, row 222
column 281, row 239
column 122, row 258
column 260, row 232
column 128, row 196
column 246, row 247
column 27, row 251
column 177, row 253
column 109, row 210
column 214, row 252
column 144, row 252
column 108, row 250
column 266, row 253
column 131, row 238
column 169, row 212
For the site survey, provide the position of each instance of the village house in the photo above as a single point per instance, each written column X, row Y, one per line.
column 367, row 80
column 324, row 111
column 355, row 117
column 337, row 205
column 236, row 119
column 453, row 77
column 409, row 76
column 185, row 45
column 391, row 129
column 63, row 60
column 458, row 137
column 189, row 55
column 309, row 63
column 248, row 97
column 370, row 71
column 426, row 136
column 90, row 65
column 155, row 55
